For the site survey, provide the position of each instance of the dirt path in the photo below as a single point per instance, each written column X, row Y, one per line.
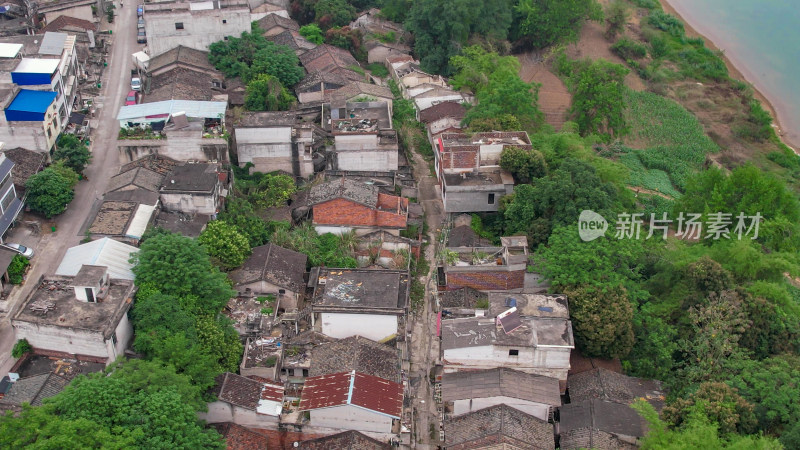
column 641, row 190
column 51, row 247
column 554, row 99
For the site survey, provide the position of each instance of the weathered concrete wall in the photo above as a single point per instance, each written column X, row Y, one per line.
column 83, row 12
column 179, row 146
column 367, row 160
column 372, row 326
column 62, row 339
column 348, row 417
column 457, row 202
column 538, row 410
column 220, row 411
column 200, row 28
column 552, row 362
column 189, row 203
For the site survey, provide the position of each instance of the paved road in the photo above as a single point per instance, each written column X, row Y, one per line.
column 105, row 163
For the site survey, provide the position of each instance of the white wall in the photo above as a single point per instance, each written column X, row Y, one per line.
column 372, row 326
column 427, row 102
column 468, row 405
column 550, row 362
column 124, row 333
column 367, row 160
column 220, row 411
column 189, row 204
column 200, row 29
column 62, row 339
column 349, row 417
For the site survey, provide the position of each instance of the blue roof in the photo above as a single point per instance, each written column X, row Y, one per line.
column 32, row 101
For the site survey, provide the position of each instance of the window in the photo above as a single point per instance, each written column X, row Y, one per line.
column 8, row 199
column 491, row 199
column 513, row 353
column 305, row 372
column 225, row 38
column 291, row 372
column 114, row 338
column 224, row 21
column 49, row 133
column 178, row 25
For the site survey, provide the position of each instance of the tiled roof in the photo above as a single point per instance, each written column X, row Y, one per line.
column 238, row 390
column 465, row 297
column 69, row 23
column 580, row 423
column 501, row 382
column 353, row 388
column 325, row 58
column 358, row 192
column 348, row 440
column 154, row 162
column 26, row 163
column 604, row 384
column 238, row 437
column 277, row 265
column 199, row 177
column 497, row 425
column 440, row 110
column 356, row 353
column 181, row 55
column 315, row 78
column 465, row 236
column 34, row 389
column 181, row 83
column 358, row 88
column 293, row 40
column 137, row 176
column 271, row 21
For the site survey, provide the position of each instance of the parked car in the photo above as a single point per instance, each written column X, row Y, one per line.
column 133, row 98
column 140, row 23
column 19, row 248
column 136, row 84
column 141, row 38
column 140, row 10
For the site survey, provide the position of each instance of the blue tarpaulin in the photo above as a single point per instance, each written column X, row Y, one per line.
column 30, row 106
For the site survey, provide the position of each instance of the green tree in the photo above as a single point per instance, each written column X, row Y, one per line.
column 20, row 348
column 252, row 55
column 506, row 93
column 157, row 316
column 546, row 22
column 266, row 93
column 525, row 165
column 312, row 32
column 225, row 244
column 180, row 266
column 72, row 152
column 598, row 104
column 276, row 60
column 616, row 18
column 333, row 13
column 239, row 213
column 49, row 192
column 218, row 336
column 503, row 122
column 723, row 406
column 474, row 65
column 602, row 318
column 38, row 428
column 272, row 190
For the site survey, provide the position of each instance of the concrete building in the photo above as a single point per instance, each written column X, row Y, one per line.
column 104, row 252
column 535, row 345
column 193, row 24
column 363, row 136
column 344, row 205
column 344, row 440
column 599, row 424
column 179, row 129
column 78, row 9
column 195, row 189
column 498, row 427
column 486, row 268
column 276, row 141
column 272, row 270
column 123, row 215
column 441, row 117
column 359, row 302
column 245, row 401
column 465, row 392
column 352, row 401
column 31, row 119
column 10, row 203
column 468, row 168
column 84, row 315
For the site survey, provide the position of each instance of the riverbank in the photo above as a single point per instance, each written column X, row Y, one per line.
column 738, row 70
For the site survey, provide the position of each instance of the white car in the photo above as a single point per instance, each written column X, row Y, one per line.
column 136, row 84
column 19, row 248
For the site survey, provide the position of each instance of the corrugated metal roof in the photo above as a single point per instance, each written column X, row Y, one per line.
column 102, row 252
column 9, row 50
column 53, row 43
column 140, row 220
column 32, row 101
column 353, row 388
column 192, row 108
column 37, row 65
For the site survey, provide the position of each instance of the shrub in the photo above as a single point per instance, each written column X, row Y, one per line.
column 271, row 361
column 658, row 47
column 20, row 348
column 785, row 158
column 627, row 48
column 378, row 70
column 666, row 22
column 17, row 268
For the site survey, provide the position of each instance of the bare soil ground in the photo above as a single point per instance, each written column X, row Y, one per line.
column 554, row 99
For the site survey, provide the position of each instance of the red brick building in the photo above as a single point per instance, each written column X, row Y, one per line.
column 339, row 206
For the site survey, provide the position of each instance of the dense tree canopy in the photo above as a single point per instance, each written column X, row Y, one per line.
column 333, row 13
column 312, row 32
column 251, row 55
column 598, row 98
column 227, row 246
column 72, row 152
column 602, row 320
column 721, row 403
column 525, row 165
column 546, row 22
column 50, row 191
column 240, row 213
column 266, row 93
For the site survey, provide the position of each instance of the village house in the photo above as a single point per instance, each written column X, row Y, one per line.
column 535, row 345
column 193, row 24
column 198, row 188
column 352, row 440
column 31, row 118
column 238, row 437
column 406, row 73
column 428, row 96
column 10, row 203
column 77, row 9
column 276, row 141
column 386, row 250
column 468, row 168
column 362, row 133
column 499, row 426
column 272, row 270
column 184, row 130
column 294, row 40
column 353, row 401
column 464, row 392
column 378, row 50
column 123, row 215
column 359, row 302
column 341, row 206
column 485, row 268
column 442, row 116
column 273, row 24
column 104, row 252
column 316, row 87
column 182, row 73
column 84, row 316
column 26, row 164
column 356, row 353
column 31, row 390
column 330, row 59
column 607, row 385
column 245, row 401
column 600, row 425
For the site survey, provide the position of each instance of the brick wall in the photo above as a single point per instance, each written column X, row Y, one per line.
column 486, row 280
column 464, row 158
column 386, row 201
column 347, row 213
